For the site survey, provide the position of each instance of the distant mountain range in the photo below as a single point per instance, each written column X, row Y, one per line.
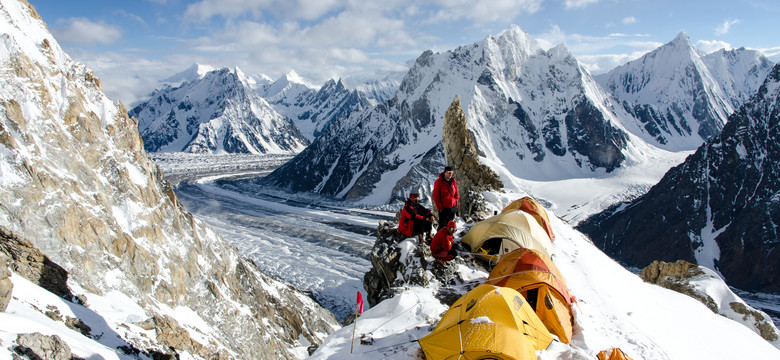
column 536, row 114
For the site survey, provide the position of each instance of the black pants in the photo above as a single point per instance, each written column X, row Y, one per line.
column 421, row 226
column 445, row 215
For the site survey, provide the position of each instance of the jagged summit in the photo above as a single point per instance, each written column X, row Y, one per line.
column 537, row 113
column 194, row 72
column 218, row 113
column 673, row 93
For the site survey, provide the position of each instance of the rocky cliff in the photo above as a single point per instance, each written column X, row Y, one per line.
column 77, row 184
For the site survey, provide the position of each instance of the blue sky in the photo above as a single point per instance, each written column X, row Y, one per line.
column 133, row 44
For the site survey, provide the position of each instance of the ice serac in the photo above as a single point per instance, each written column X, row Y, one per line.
column 217, row 113
column 673, row 93
column 718, row 209
column 535, row 113
column 77, row 184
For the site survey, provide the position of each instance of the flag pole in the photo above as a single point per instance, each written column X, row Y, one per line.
column 354, row 327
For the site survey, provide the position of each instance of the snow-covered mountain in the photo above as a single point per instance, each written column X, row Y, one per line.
column 76, row 185
column 672, row 91
column 719, row 208
column 535, row 114
column 194, row 72
column 740, row 72
column 216, row 113
column 377, row 90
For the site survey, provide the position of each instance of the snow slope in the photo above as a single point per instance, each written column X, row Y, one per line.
column 615, row 308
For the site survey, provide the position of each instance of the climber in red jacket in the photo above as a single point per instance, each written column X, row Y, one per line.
column 415, row 220
column 441, row 246
column 445, row 196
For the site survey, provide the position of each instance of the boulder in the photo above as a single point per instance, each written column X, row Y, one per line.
column 6, row 286
column 39, row 346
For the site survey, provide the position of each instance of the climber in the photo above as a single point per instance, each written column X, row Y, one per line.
column 416, row 220
column 441, row 246
column 445, row 197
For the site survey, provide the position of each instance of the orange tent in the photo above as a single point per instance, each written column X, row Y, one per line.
column 613, row 354
column 531, row 206
column 535, row 276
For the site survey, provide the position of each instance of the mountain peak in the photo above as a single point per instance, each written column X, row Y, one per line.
column 515, row 35
column 682, row 39
column 292, row 77
column 196, row 71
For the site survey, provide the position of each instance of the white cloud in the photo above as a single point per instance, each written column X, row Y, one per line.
column 629, row 20
column 484, row 12
column 286, row 9
column 576, row 4
column 725, row 27
column 82, row 31
column 709, row 46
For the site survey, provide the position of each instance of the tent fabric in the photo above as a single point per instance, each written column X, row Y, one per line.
column 535, row 276
column 488, row 322
column 613, row 354
column 505, row 232
column 534, row 208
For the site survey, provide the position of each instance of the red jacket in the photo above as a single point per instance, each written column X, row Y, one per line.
column 409, row 214
column 445, row 193
column 441, row 244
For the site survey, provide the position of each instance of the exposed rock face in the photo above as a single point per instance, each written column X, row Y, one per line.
column 6, row 286
column 39, row 346
column 719, row 208
column 398, row 261
column 78, row 185
column 473, row 176
column 31, row 264
column 686, row 278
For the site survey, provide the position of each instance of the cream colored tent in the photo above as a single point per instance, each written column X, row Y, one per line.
column 533, row 207
column 488, row 322
column 502, row 233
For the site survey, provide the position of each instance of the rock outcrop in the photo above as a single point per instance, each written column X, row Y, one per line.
column 39, row 346
column 399, row 262
column 6, row 286
column 701, row 283
column 473, row 177
column 33, row 265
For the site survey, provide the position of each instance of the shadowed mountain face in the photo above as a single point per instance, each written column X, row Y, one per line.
column 720, row 208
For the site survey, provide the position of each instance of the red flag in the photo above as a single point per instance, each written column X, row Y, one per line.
column 359, row 302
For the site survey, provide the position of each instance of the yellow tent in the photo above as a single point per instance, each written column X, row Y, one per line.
column 536, row 277
column 488, row 322
column 535, row 209
column 502, row 233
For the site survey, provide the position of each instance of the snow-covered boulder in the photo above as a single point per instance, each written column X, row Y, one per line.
column 706, row 286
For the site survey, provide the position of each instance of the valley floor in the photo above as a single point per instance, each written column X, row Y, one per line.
column 322, row 247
